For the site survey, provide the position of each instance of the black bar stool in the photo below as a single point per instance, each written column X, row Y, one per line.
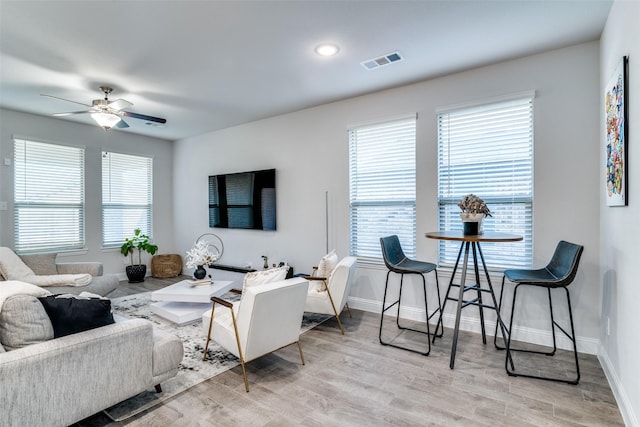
column 559, row 273
column 397, row 262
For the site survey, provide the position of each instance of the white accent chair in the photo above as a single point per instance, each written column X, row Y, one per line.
column 267, row 318
column 332, row 294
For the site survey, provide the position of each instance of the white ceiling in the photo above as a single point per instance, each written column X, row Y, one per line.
column 208, row 65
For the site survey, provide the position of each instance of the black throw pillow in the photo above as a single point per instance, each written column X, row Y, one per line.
column 70, row 315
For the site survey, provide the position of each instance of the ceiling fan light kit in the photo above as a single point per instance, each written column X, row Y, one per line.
column 109, row 114
column 105, row 120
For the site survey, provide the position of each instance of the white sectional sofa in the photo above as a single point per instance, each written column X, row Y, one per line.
column 13, row 267
column 57, row 382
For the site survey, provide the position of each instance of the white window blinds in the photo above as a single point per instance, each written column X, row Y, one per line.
column 127, row 197
column 488, row 151
column 382, row 184
column 48, row 197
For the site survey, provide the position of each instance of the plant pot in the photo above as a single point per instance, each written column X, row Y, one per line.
column 136, row 273
column 472, row 223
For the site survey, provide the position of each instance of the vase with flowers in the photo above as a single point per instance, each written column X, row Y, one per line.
column 202, row 255
column 474, row 210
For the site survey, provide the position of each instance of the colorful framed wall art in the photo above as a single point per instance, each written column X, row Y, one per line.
column 616, row 136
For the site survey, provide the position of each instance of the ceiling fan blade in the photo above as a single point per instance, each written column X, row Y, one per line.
column 119, row 104
column 62, row 99
column 70, row 113
column 121, row 124
column 143, row 117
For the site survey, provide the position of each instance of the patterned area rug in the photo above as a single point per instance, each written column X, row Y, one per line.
column 193, row 370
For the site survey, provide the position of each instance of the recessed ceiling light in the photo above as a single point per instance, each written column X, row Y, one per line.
column 327, row 49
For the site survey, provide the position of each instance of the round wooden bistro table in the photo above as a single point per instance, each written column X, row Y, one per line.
column 471, row 242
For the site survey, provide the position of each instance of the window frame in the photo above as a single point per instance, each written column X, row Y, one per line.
column 512, row 212
column 65, row 196
column 372, row 165
column 113, row 198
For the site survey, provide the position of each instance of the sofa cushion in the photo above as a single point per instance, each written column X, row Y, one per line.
column 101, row 285
column 44, row 264
column 59, row 280
column 10, row 288
column 325, row 267
column 167, row 352
column 23, row 321
column 70, row 314
column 256, row 278
column 327, row 264
column 11, row 266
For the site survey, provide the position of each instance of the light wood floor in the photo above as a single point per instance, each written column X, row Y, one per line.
column 352, row 380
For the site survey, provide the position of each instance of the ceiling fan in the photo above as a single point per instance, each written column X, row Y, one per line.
column 108, row 113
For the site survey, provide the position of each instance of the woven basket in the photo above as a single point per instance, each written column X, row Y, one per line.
column 164, row 266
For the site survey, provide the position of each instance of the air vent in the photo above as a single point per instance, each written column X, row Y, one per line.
column 372, row 64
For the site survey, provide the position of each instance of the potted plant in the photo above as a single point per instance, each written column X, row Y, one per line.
column 474, row 210
column 139, row 242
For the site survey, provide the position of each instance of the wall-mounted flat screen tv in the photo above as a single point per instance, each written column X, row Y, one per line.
column 243, row 200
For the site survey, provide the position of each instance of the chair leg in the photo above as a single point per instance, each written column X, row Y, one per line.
column 384, row 301
column 399, row 301
column 244, row 371
column 554, row 324
column 348, row 310
column 495, row 334
column 334, row 309
column 437, row 310
column 300, row 350
column 510, row 334
column 573, row 338
column 158, row 388
column 206, row 346
column 244, row 375
column 426, row 313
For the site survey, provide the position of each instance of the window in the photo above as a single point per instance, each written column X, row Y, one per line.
column 127, row 197
column 488, row 151
column 382, row 185
column 48, row 197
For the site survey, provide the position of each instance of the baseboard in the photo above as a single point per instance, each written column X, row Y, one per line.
column 624, row 404
column 529, row 335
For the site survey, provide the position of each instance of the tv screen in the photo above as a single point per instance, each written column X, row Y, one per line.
column 243, row 200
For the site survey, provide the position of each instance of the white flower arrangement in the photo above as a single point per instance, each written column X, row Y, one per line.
column 200, row 255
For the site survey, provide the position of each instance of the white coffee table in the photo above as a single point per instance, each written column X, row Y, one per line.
column 184, row 302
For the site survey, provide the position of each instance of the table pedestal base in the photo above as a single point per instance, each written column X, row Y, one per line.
column 477, row 301
column 180, row 313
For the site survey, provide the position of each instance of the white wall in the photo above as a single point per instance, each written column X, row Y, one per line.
column 309, row 149
column 94, row 139
column 619, row 226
